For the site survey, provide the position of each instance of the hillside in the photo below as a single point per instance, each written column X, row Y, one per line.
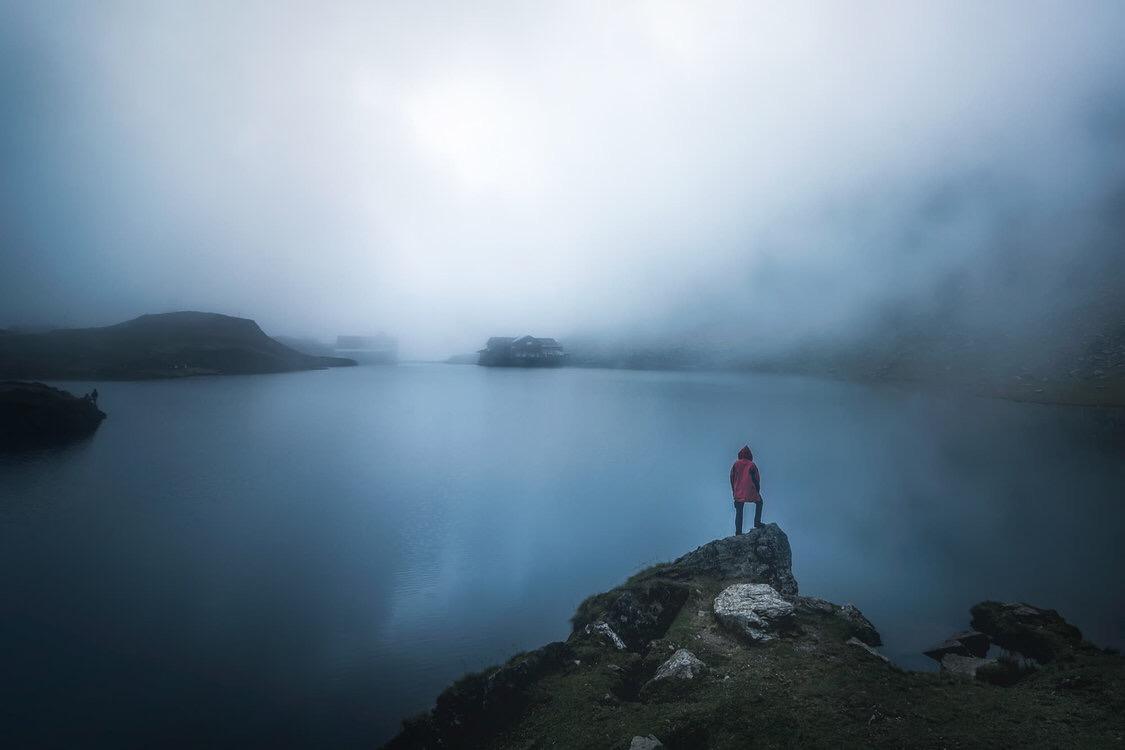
column 153, row 346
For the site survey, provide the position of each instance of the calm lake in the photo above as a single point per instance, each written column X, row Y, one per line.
column 305, row 559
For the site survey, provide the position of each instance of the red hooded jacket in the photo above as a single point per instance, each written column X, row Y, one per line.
column 745, row 481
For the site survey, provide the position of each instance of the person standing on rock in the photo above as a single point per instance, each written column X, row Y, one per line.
column 746, row 486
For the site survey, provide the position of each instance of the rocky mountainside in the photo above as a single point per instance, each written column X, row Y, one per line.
column 34, row 415
column 153, row 346
column 718, row 649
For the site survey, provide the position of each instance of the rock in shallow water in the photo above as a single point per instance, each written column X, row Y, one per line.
column 755, row 610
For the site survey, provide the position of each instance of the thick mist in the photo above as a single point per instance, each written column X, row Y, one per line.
column 747, row 177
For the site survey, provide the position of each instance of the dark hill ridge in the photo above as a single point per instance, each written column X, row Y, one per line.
column 154, row 346
column 718, row 650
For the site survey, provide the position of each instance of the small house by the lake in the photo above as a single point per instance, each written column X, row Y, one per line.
column 526, row 351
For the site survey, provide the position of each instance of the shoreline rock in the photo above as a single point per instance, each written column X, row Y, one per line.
column 35, row 415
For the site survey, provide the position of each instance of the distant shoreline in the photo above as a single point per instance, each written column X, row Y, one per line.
column 1115, row 397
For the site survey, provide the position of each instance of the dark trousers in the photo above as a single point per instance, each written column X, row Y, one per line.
column 738, row 516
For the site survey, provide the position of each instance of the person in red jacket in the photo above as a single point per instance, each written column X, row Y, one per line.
column 746, row 486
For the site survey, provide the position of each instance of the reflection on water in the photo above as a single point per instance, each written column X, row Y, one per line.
column 305, row 559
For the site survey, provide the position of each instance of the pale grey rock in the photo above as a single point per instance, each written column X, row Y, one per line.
column 603, row 629
column 645, row 743
column 755, row 610
column 853, row 641
column 683, row 665
column 963, row 666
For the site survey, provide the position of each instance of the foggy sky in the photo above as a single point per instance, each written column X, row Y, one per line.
column 449, row 171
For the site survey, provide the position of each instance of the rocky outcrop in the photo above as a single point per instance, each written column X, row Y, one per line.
column 964, row 643
column 753, row 610
column 645, row 743
column 761, row 555
column 634, row 615
column 685, row 651
column 34, row 415
column 1041, row 634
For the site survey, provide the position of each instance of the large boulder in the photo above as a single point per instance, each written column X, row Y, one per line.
column 1041, row 634
column 758, row 556
column 754, row 610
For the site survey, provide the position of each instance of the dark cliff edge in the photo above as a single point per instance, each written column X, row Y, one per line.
column 34, row 415
column 718, row 649
column 167, row 345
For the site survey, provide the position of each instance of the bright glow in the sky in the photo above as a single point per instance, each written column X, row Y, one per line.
column 451, row 170
column 477, row 131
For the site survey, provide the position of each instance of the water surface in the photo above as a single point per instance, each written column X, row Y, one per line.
column 304, row 559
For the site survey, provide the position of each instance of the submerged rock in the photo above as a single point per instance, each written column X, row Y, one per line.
column 1041, row 634
column 645, row 743
column 754, row 610
column 760, row 556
